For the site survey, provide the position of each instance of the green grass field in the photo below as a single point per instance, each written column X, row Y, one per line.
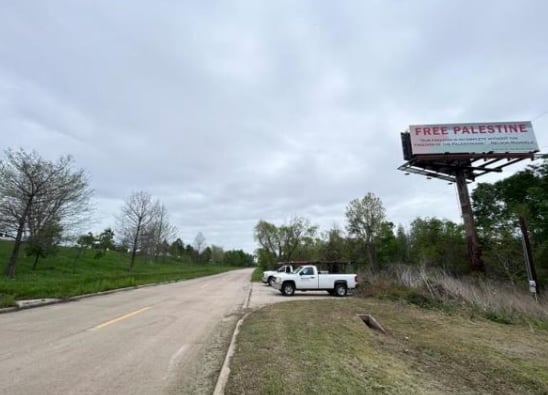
column 323, row 347
column 63, row 276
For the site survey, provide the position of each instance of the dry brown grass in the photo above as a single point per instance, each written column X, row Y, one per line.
column 496, row 300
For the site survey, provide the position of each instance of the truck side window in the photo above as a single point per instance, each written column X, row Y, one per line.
column 308, row 271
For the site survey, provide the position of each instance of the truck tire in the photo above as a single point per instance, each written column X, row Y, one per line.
column 340, row 289
column 288, row 289
column 270, row 280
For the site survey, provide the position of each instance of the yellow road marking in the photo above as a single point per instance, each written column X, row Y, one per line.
column 123, row 317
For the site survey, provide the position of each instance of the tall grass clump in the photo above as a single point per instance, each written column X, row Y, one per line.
column 501, row 302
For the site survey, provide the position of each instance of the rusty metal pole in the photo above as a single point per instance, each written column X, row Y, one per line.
column 474, row 251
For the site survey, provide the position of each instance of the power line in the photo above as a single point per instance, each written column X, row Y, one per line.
column 540, row 115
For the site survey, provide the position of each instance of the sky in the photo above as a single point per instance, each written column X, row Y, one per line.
column 237, row 111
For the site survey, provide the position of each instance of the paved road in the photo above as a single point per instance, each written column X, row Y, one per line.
column 132, row 342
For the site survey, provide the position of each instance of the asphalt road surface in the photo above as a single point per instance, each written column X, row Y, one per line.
column 143, row 341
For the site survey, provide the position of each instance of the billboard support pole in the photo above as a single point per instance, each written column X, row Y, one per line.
column 474, row 251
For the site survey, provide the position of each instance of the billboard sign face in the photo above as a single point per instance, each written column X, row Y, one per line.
column 474, row 138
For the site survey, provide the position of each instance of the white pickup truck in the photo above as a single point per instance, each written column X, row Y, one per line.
column 307, row 278
column 268, row 276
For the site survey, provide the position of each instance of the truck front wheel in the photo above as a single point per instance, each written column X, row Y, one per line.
column 340, row 289
column 288, row 289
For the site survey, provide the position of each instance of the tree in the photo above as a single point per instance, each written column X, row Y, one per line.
column 296, row 238
column 44, row 242
column 160, row 229
column 439, row 243
column 238, row 258
column 267, row 235
column 32, row 188
column 403, row 244
column 199, row 243
column 205, row 256
column 334, row 246
column 86, row 241
column 283, row 242
column 106, row 240
column 364, row 221
column 497, row 208
column 388, row 249
column 137, row 214
column 217, row 254
column 177, row 248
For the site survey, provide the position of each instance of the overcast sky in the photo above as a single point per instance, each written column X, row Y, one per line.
column 232, row 112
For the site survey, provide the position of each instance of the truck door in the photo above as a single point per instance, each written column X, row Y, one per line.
column 308, row 278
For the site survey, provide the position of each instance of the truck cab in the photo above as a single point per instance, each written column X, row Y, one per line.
column 269, row 275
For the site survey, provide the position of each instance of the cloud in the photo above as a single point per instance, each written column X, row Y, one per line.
column 238, row 111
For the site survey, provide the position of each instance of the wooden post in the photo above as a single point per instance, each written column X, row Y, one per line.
column 530, row 264
column 474, row 251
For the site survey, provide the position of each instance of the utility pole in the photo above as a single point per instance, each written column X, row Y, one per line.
column 530, row 265
column 474, row 251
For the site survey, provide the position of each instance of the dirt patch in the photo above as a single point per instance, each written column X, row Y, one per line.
column 200, row 375
column 371, row 322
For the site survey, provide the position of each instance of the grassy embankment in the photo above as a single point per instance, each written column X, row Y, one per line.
column 63, row 276
column 442, row 336
column 257, row 274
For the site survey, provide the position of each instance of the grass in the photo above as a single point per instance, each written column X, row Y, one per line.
column 257, row 274
column 61, row 276
column 499, row 302
column 323, row 347
column 444, row 335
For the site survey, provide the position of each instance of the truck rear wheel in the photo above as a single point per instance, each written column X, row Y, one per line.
column 288, row 289
column 270, row 280
column 340, row 289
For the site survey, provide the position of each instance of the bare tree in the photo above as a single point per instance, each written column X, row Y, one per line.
column 161, row 228
column 34, row 193
column 136, row 217
column 199, row 243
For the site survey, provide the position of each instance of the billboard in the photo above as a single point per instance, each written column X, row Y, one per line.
column 474, row 138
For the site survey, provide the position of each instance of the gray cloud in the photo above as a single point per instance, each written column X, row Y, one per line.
column 236, row 111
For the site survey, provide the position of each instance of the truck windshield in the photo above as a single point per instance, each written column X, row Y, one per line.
column 298, row 269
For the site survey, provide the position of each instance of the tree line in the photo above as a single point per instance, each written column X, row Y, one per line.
column 369, row 238
column 42, row 202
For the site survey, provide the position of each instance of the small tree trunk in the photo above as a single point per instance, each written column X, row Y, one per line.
column 370, row 256
column 134, row 248
column 10, row 268
column 36, row 260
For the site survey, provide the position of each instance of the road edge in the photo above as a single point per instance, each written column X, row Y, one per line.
column 30, row 304
column 222, row 379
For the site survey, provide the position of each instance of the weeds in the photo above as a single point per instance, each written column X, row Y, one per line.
column 502, row 303
column 7, row 300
